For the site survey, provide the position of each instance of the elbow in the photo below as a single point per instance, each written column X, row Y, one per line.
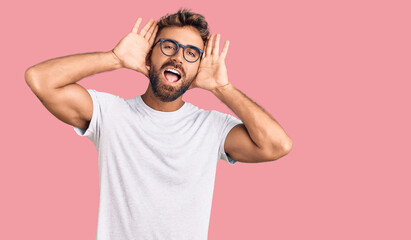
column 30, row 79
column 287, row 145
column 33, row 83
column 285, row 148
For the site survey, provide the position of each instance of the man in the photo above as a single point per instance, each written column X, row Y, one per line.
column 157, row 153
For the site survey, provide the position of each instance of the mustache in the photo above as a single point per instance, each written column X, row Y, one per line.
column 175, row 65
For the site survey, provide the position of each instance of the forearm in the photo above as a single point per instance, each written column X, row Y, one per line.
column 59, row 72
column 263, row 129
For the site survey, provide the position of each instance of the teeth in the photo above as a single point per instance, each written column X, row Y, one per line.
column 173, row 71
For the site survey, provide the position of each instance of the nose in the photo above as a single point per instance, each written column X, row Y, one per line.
column 179, row 55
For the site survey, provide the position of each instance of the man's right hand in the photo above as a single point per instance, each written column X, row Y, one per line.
column 132, row 50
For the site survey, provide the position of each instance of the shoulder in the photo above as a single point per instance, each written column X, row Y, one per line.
column 104, row 99
column 103, row 95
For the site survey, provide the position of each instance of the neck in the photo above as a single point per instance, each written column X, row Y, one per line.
column 155, row 103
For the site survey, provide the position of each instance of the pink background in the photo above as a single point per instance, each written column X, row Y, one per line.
column 336, row 76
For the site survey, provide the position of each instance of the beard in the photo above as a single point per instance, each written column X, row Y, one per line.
column 163, row 91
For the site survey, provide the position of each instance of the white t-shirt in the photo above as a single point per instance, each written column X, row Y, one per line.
column 156, row 169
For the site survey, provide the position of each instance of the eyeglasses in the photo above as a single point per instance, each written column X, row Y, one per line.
column 170, row 47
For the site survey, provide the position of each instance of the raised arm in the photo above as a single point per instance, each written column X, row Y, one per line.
column 260, row 138
column 54, row 81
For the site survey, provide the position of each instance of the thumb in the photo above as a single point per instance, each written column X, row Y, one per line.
column 145, row 71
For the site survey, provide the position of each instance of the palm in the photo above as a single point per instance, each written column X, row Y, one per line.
column 134, row 47
column 212, row 72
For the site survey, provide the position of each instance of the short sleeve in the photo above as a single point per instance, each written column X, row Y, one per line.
column 101, row 101
column 227, row 123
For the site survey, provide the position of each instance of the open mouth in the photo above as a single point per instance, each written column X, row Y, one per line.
column 172, row 75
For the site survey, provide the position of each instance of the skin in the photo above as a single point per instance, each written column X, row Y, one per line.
column 259, row 139
column 207, row 73
column 158, row 62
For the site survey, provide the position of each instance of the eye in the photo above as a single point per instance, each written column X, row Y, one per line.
column 192, row 53
column 169, row 46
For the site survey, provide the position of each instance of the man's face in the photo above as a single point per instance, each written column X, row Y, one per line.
column 162, row 88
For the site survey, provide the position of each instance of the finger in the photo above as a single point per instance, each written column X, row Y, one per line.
column 225, row 49
column 136, row 25
column 204, row 52
column 216, row 45
column 150, row 31
column 146, row 27
column 209, row 44
column 153, row 35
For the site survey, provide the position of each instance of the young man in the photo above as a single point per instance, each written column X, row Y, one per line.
column 157, row 153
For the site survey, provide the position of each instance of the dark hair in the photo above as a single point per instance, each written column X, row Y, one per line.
column 184, row 17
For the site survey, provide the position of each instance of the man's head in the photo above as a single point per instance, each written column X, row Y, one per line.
column 186, row 28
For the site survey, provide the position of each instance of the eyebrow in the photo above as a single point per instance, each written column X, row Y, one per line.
column 185, row 44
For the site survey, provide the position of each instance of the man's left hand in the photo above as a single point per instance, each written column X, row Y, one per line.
column 212, row 72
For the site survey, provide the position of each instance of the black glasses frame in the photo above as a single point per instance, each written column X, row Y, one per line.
column 162, row 40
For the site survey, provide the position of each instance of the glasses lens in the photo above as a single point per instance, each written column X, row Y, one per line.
column 192, row 54
column 169, row 47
